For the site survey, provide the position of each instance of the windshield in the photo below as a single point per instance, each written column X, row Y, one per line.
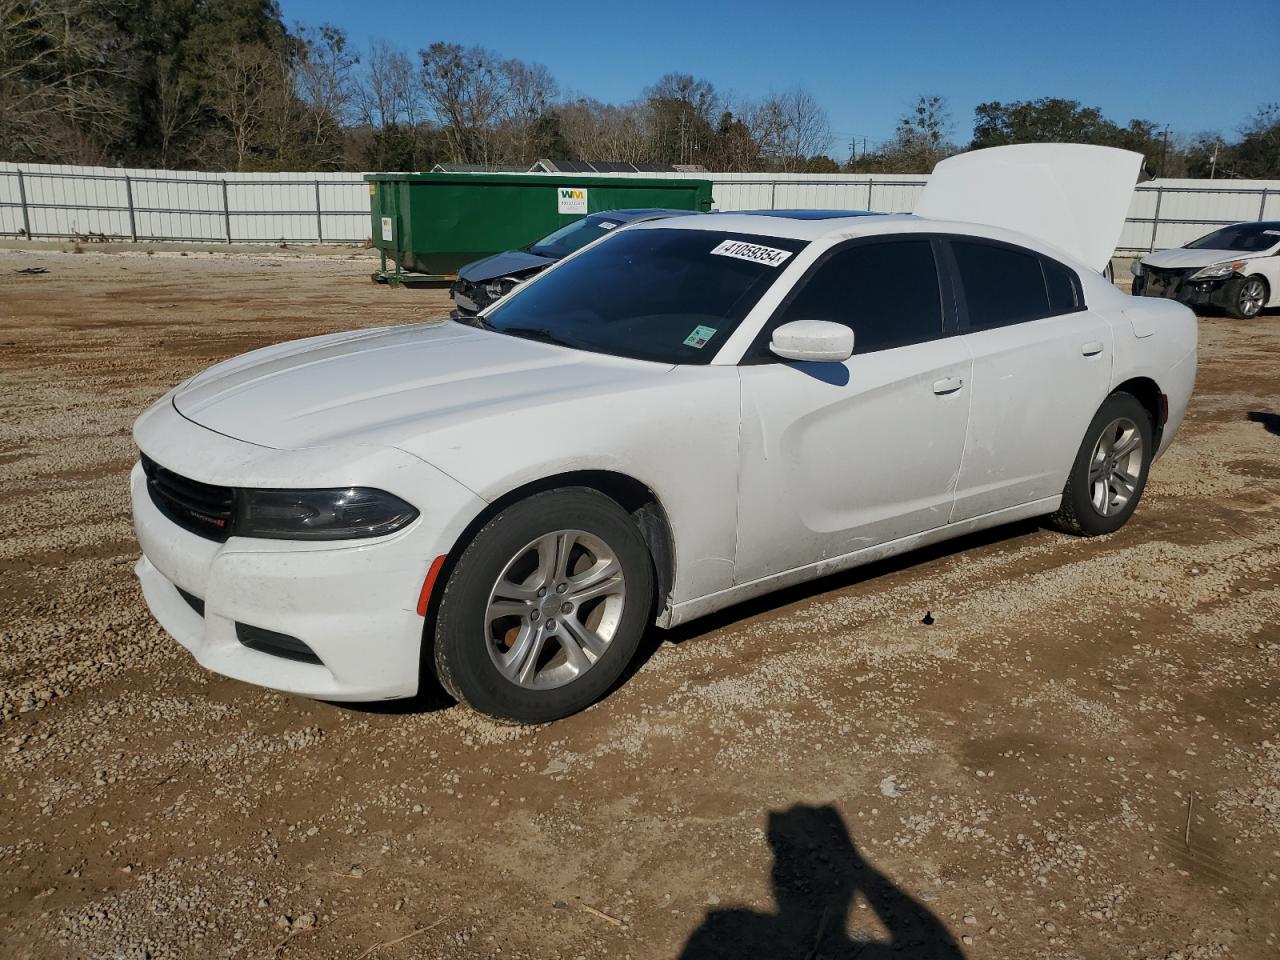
column 575, row 236
column 1244, row 237
column 672, row 296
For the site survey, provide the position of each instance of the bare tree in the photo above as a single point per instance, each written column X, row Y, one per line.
column 323, row 76
column 601, row 131
column 921, row 138
column 64, row 77
column 240, row 94
column 467, row 89
column 177, row 107
column 791, row 127
column 682, row 111
column 531, row 89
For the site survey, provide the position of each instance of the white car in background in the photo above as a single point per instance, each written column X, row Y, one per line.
column 1236, row 269
column 685, row 414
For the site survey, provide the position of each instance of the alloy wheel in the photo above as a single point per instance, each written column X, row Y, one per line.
column 1252, row 295
column 1115, row 467
column 554, row 609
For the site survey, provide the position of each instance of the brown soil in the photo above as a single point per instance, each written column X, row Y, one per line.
column 1079, row 757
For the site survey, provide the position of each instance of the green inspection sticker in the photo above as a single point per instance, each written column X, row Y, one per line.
column 699, row 337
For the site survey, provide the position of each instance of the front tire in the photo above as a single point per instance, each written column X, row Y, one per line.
column 1110, row 470
column 1246, row 296
column 545, row 607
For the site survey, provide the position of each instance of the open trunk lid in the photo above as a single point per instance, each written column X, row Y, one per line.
column 1071, row 195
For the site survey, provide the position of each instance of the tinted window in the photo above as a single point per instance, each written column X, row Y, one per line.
column 673, row 296
column 887, row 292
column 1062, row 287
column 572, row 237
column 1001, row 285
column 1241, row 237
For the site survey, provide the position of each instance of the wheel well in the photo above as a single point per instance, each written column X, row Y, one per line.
column 627, row 492
column 1152, row 399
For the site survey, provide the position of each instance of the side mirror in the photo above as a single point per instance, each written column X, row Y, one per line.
column 819, row 340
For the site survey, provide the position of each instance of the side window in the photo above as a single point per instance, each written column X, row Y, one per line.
column 1061, row 286
column 1002, row 285
column 887, row 292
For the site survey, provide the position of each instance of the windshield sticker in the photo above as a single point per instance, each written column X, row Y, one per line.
column 607, row 224
column 1272, row 233
column 749, row 251
column 700, row 336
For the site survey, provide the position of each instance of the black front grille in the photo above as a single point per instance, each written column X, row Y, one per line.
column 201, row 508
column 1165, row 283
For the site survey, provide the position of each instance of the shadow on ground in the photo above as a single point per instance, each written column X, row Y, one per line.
column 1270, row 421
column 818, row 874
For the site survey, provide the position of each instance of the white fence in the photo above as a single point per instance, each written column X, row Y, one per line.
column 48, row 201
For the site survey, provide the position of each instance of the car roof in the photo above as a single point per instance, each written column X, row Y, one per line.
column 1259, row 224
column 766, row 225
column 851, row 227
column 639, row 213
column 806, row 214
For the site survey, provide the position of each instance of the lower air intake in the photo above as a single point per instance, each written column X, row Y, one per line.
column 276, row 644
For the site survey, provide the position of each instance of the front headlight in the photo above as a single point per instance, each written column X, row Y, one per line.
column 1136, row 268
column 346, row 513
column 1216, row 271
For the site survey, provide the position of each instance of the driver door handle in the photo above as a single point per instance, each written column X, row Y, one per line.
column 1092, row 348
column 947, row 385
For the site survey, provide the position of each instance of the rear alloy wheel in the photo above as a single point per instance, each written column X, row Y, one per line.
column 1110, row 469
column 545, row 608
column 1246, row 296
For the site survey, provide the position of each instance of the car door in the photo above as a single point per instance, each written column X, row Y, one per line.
column 1041, row 369
column 836, row 457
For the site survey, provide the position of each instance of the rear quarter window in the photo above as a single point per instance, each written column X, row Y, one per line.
column 1004, row 285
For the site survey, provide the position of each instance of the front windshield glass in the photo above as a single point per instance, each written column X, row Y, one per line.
column 575, row 236
column 671, row 296
column 1243, row 237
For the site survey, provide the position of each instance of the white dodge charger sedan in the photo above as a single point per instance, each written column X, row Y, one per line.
column 685, row 414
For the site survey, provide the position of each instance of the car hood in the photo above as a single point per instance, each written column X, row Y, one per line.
column 503, row 265
column 1180, row 257
column 379, row 387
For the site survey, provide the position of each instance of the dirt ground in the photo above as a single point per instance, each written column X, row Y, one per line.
column 1078, row 757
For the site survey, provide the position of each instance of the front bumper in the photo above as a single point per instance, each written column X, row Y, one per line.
column 468, row 298
column 353, row 603
column 1200, row 293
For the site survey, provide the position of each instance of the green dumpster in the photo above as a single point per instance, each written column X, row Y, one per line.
column 430, row 224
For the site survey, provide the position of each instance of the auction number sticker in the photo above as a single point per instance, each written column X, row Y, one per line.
column 386, row 229
column 571, row 199
column 699, row 337
column 770, row 256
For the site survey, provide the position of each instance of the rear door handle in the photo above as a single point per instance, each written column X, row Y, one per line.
column 947, row 385
column 1092, row 348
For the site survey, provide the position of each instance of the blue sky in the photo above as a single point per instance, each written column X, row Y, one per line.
column 1162, row 60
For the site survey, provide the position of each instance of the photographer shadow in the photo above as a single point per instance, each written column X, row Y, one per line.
column 817, row 874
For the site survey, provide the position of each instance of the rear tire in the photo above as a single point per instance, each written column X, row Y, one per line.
column 1110, row 470
column 545, row 608
column 1246, row 296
